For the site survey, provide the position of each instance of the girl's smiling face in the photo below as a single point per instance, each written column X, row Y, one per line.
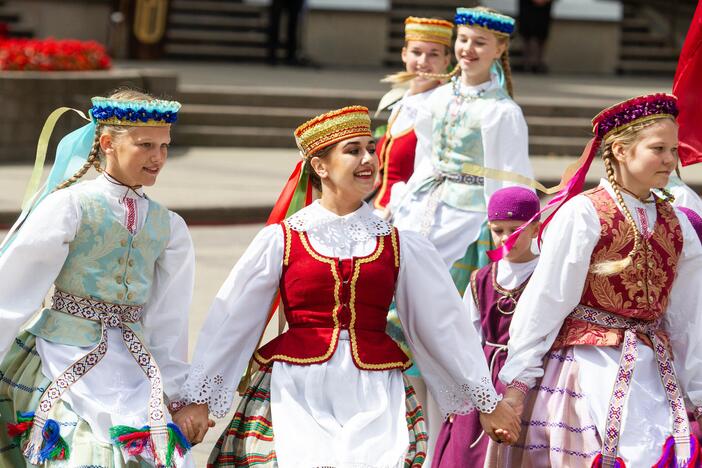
column 350, row 168
column 136, row 157
column 476, row 49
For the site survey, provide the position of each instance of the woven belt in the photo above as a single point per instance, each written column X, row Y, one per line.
column 435, row 195
column 620, row 392
column 109, row 316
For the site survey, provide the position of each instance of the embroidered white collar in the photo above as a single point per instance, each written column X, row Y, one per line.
column 318, row 222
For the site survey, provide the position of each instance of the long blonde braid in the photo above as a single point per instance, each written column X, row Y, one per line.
column 507, row 68
column 92, row 161
column 613, row 267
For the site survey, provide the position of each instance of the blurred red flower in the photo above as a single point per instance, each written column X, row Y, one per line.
column 52, row 55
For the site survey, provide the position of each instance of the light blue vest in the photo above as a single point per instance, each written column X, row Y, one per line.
column 107, row 263
column 459, row 144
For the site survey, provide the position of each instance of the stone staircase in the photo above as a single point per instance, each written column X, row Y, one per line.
column 13, row 21
column 216, row 30
column 266, row 117
column 644, row 50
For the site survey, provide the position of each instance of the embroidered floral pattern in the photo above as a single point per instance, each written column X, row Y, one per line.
column 462, row 399
column 201, row 388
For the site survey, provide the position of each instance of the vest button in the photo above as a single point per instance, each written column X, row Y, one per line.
column 120, row 296
column 118, row 279
column 123, row 243
column 130, row 262
column 120, row 261
column 128, row 279
column 130, row 296
column 650, row 298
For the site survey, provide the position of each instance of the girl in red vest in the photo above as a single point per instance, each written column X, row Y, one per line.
column 426, row 56
column 613, row 302
column 330, row 390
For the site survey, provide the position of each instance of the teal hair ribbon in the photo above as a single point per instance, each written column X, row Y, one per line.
column 71, row 153
column 497, row 70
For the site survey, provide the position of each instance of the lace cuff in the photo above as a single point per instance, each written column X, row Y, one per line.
column 464, row 398
column 201, row 388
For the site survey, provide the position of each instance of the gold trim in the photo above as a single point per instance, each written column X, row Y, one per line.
column 352, row 306
column 647, row 118
column 335, row 313
column 395, row 250
column 287, row 240
column 129, row 123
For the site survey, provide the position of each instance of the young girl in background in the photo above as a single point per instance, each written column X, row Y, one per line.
column 88, row 382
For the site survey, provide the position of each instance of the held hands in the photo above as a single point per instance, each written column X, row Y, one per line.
column 193, row 420
column 503, row 424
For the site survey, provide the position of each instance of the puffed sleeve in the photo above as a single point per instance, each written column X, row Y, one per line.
column 423, row 130
column 235, row 323
column 555, row 288
column 473, row 311
column 439, row 332
column 683, row 319
column 505, row 144
column 33, row 260
column 166, row 312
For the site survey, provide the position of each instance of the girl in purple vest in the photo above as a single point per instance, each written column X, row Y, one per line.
column 491, row 299
column 605, row 349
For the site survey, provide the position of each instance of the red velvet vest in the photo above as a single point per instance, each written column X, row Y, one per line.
column 324, row 295
column 641, row 290
column 396, row 155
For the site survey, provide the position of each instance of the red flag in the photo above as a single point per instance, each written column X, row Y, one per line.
column 687, row 87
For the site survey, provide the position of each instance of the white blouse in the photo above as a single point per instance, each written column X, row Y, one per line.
column 405, row 116
column 437, row 328
column 556, row 288
column 505, row 146
column 116, row 391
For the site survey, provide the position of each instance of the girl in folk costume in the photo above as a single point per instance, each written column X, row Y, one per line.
column 88, row 382
column 473, row 122
column 613, row 303
column 426, row 56
column 491, row 300
column 330, row 391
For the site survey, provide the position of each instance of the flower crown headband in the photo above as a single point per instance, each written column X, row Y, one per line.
column 155, row 113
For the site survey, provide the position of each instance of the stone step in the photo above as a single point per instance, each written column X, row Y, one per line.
column 647, row 66
column 208, row 21
column 559, row 126
column 210, row 6
column 399, row 14
column 635, row 24
column 239, row 38
column 277, row 97
column 652, row 53
column 643, row 38
column 273, row 137
column 214, row 51
column 9, row 17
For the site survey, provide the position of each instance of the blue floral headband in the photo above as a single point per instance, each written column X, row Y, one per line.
column 495, row 22
column 156, row 113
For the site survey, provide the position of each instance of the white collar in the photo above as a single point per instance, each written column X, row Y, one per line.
column 358, row 226
column 630, row 200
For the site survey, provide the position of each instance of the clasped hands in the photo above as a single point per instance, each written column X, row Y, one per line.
column 505, row 422
column 193, row 420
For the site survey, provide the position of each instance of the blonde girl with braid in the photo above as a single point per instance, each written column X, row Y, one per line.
column 613, row 302
column 93, row 378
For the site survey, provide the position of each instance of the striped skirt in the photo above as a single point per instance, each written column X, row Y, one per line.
column 21, row 385
column 248, row 441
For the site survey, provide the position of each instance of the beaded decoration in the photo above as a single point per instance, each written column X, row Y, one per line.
column 156, row 113
column 495, row 22
column 633, row 111
column 428, row 30
column 331, row 128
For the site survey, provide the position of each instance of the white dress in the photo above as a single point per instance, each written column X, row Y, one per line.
column 115, row 391
column 334, row 414
column 505, row 143
column 555, row 289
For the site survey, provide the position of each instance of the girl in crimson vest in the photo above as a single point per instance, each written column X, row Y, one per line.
column 604, row 347
column 426, row 55
column 330, row 390
column 491, row 299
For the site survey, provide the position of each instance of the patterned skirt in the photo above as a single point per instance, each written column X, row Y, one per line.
column 21, row 385
column 248, row 441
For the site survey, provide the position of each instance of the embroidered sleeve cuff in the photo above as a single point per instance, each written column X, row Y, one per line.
column 462, row 399
column 201, row 388
column 518, row 385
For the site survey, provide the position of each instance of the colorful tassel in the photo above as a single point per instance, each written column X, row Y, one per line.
column 597, row 462
column 54, row 447
column 668, row 458
column 135, row 441
column 25, row 421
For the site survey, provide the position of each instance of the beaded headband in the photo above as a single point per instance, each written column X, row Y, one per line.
column 156, row 113
column 633, row 111
column 332, row 127
column 428, row 30
column 495, row 22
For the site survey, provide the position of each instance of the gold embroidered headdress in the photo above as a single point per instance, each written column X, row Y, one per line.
column 428, row 30
column 332, row 127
